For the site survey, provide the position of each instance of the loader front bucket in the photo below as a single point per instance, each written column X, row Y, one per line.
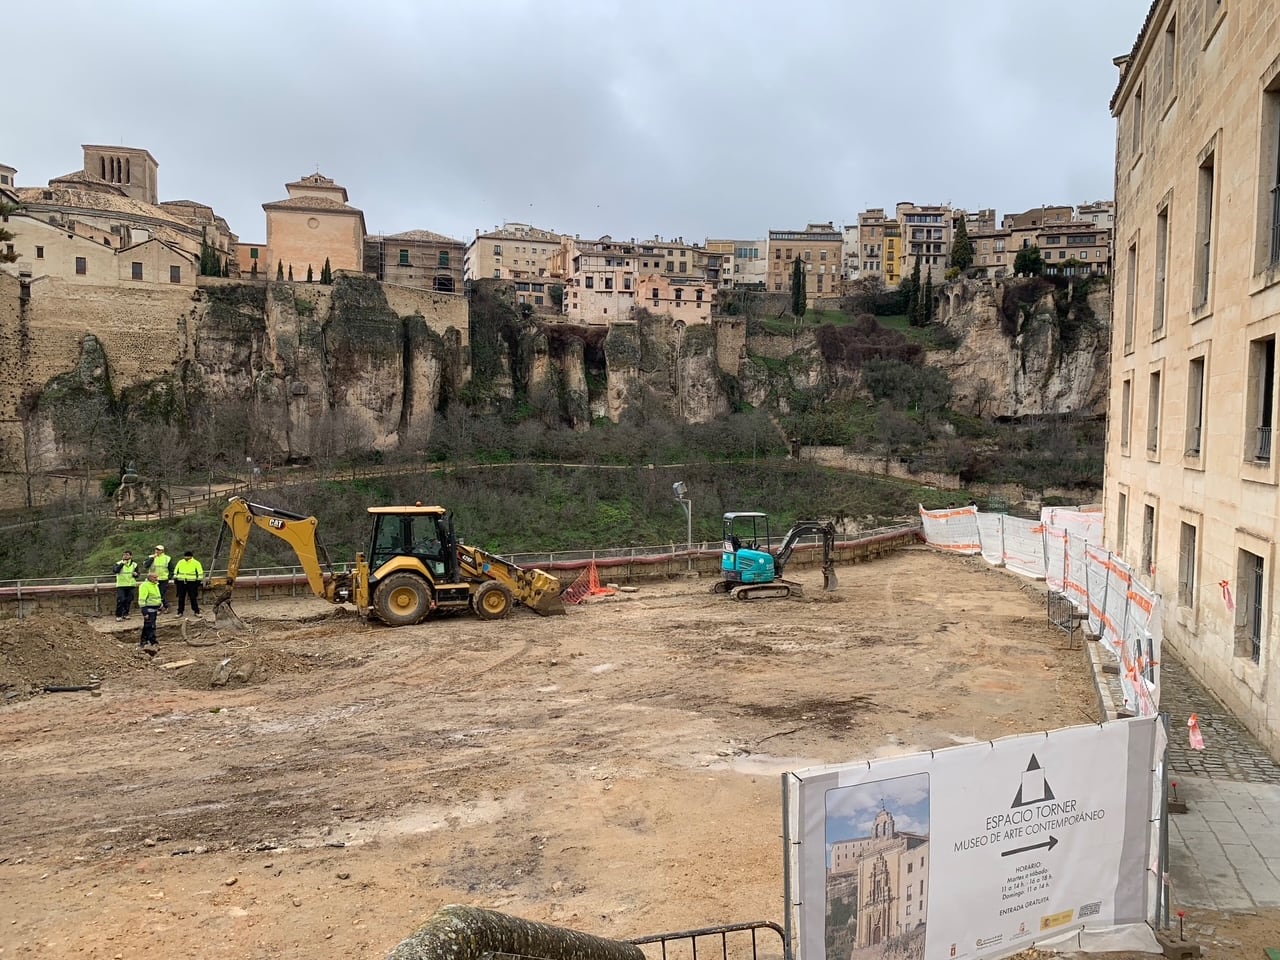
column 544, row 594
column 549, row 605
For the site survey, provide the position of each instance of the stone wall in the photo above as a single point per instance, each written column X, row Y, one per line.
column 442, row 311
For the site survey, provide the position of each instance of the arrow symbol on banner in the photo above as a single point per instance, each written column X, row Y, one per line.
column 1048, row 845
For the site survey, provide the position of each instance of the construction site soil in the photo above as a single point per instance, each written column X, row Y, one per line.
column 319, row 786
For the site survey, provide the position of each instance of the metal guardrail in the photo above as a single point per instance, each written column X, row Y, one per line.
column 258, row 577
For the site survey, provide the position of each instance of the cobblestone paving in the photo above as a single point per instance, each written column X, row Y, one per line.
column 1230, row 753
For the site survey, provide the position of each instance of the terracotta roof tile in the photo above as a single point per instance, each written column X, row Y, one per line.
column 423, row 236
column 311, row 203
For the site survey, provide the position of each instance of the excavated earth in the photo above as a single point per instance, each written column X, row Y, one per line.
column 317, row 787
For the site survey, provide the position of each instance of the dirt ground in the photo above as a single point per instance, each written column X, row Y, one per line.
column 319, row 787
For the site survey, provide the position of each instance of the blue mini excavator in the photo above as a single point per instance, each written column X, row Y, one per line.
column 751, row 572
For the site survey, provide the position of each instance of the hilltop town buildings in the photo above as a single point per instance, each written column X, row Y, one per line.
column 416, row 258
column 514, row 251
column 1192, row 474
column 91, row 225
column 820, row 246
column 314, row 223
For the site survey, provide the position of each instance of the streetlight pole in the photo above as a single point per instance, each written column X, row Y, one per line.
column 680, row 491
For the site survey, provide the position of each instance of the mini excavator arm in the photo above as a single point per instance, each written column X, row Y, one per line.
column 827, row 530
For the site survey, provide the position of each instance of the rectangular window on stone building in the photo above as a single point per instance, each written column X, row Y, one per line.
column 137, row 270
column 1203, row 277
column 1135, row 107
column 1126, row 412
column 1122, row 521
column 1260, row 400
column 589, row 282
column 404, row 258
column 1130, row 295
column 82, row 266
column 443, row 259
column 1269, row 180
column 1195, row 406
column 1251, row 592
column 1170, row 60
column 39, row 253
column 1187, row 565
column 1148, row 538
column 175, row 274
column 1153, row 415
column 1162, row 265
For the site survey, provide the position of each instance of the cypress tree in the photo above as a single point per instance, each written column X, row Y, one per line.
column 926, row 302
column 310, row 275
column 253, row 270
column 279, row 269
column 291, row 273
column 962, row 248
column 799, row 300
column 326, row 272
column 913, row 295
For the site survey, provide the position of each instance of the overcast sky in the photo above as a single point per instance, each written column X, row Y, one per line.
column 691, row 118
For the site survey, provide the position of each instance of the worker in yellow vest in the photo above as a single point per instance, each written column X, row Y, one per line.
column 187, row 574
column 149, row 602
column 126, row 571
column 161, row 564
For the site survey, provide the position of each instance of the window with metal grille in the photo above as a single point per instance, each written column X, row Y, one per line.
column 1260, row 399
column 1251, row 592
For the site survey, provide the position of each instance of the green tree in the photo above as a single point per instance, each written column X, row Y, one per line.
column 291, row 273
column 1029, row 261
column 279, row 269
column 962, row 248
column 912, row 283
column 799, row 301
column 226, row 266
column 310, row 276
column 326, row 272
column 253, row 270
column 210, row 262
column 6, row 235
column 926, row 302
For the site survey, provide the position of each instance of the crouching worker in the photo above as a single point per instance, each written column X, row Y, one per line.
column 149, row 602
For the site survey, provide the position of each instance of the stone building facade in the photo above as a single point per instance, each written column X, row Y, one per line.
column 82, row 228
column 820, row 246
column 1192, row 478
column 416, row 258
column 314, row 223
column 514, row 251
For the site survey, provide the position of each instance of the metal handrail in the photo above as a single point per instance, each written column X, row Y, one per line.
column 557, row 558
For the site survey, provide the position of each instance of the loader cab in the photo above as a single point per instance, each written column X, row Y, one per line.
column 425, row 533
column 745, row 557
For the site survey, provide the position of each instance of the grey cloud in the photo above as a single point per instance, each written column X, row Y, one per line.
column 722, row 117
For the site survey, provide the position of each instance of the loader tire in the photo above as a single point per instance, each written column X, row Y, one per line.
column 492, row 601
column 402, row 599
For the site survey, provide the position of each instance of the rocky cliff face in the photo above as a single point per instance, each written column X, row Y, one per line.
column 280, row 372
column 1027, row 347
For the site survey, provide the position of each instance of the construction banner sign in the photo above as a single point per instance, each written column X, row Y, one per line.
column 976, row 851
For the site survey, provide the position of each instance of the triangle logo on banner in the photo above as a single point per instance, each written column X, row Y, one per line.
column 1034, row 787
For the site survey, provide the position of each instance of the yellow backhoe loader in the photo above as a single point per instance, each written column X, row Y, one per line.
column 416, row 565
